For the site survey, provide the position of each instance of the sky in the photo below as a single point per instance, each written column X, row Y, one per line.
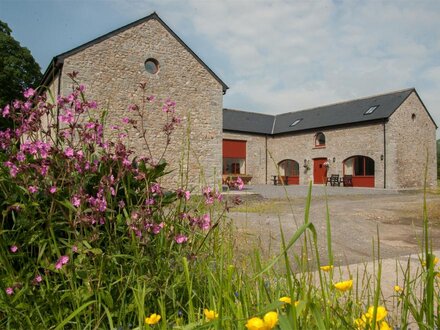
column 276, row 56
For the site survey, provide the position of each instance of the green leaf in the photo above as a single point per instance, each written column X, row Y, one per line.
column 74, row 313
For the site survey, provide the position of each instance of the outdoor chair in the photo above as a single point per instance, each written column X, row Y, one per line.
column 348, row 180
column 333, row 180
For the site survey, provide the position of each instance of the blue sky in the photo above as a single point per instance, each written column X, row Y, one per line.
column 276, row 56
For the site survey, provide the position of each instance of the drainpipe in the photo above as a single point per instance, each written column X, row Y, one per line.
column 384, row 157
column 266, row 157
column 60, row 74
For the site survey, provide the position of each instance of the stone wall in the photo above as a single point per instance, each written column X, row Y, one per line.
column 411, row 146
column 112, row 69
column 341, row 143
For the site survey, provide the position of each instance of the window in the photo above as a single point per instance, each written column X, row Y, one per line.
column 371, row 110
column 296, row 122
column 234, row 157
column 359, row 166
column 234, row 165
column 289, row 168
column 152, row 66
column 320, row 140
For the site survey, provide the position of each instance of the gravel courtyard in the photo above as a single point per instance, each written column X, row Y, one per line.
column 356, row 215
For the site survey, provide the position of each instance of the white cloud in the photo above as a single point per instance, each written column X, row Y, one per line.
column 281, row 56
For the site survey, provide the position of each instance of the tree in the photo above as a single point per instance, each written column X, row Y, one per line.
column 18, row 69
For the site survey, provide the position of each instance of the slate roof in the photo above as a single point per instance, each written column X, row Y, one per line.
column 252, row 122
column 349, row 112
column 58, row 60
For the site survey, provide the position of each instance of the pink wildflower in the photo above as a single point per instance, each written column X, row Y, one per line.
column 38, row 279
column 125, row 120
column 205, row 222
column 61, row 262
column 32, row 189
column 13, row 248
column 76, row 201
column 6, row 111
column 239, row 183
column 75, row 249
column 9, row 291
column 53, row 189
column 157, row 228
column 69, row 152
column 155, row 188
column 180, row 239
column 29, row 92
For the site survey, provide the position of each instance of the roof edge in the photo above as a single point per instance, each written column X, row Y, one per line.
column 58, row 60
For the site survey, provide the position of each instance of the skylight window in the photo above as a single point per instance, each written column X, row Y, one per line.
column 296, row 122
column 371, row 110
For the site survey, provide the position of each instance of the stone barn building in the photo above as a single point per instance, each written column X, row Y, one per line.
column 383, row 141
column 112, row 66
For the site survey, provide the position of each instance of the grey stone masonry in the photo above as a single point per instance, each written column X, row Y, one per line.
column 112, row 70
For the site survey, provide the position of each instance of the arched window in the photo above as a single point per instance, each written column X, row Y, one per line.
column 320, row 140
column 289, row 169
column 361, row 168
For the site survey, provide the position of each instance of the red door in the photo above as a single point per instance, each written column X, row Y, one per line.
column 319, row 170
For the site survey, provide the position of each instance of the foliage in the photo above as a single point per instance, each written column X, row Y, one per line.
column 18, row 69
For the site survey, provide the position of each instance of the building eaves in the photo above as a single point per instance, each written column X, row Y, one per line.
column 58, row 60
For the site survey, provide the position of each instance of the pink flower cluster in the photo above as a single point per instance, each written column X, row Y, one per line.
column 211, row 196
column 63, row 260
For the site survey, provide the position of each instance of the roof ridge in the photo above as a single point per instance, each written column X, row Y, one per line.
column 348, row 101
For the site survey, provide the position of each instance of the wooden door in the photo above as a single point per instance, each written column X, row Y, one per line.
column 319, row 170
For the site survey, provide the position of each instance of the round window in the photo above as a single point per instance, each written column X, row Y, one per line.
column 152, row 65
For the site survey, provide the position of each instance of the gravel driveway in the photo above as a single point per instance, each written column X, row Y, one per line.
column 356, row 215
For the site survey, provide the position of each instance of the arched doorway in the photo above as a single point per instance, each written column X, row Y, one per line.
column 362, row 170
column 289, row 168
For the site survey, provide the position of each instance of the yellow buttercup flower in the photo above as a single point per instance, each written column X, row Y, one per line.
column 210, row 314
column 152, row 319
column 296, row 303
column 255, row 323
column 435, row 261
column 381, row 312
column 326, row 268
column 398, row 288
column 384, row 326
column 270, row 320
column 286, row 300
column 344, row 285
